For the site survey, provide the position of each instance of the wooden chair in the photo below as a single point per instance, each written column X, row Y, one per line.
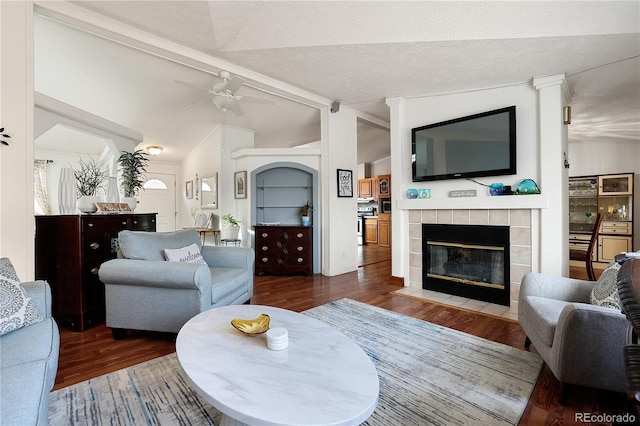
column 587, row 256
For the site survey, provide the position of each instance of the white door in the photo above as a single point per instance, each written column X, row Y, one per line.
column 159, row 196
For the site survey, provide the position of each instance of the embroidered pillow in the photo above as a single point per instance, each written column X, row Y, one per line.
column 605, row 292
column 188, row 254
column 16, row 308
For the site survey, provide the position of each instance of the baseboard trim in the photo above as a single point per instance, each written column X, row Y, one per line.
column 399, row 281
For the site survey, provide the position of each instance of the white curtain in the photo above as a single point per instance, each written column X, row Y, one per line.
column 41, row 194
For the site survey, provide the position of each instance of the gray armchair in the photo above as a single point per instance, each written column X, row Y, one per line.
column 582, row 344
column 145, row 292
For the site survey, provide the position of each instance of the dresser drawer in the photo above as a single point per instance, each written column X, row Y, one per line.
column 143, row 223
column 616, row 228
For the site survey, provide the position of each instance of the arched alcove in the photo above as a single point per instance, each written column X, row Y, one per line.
column 278, row 190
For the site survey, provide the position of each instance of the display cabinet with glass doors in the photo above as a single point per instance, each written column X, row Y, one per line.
column 611, row 195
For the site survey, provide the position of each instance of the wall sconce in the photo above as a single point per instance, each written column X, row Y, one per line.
column 155, row 149
column 566, row 115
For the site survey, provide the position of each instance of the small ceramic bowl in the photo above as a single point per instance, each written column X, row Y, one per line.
column 252, row 327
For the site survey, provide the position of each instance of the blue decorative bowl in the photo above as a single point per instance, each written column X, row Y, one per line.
column 412, row 193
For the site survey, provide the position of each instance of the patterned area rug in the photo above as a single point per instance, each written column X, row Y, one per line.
column 428, row 375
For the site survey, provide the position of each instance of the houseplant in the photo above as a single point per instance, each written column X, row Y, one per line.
column 133, row 166
column 230, row 227
column 90, row 178
column 305, row 212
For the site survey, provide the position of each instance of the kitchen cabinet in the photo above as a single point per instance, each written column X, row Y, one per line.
column 69, row 252
column 371, row 230
column 383, row 186
column 366, row 188
column 611, row 245
column 284, row 250
column 384, row 230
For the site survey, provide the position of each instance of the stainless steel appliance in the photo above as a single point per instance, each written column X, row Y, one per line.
column 384, row 205
column 363, row 211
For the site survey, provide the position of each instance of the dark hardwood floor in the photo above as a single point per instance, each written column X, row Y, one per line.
column 94, row 352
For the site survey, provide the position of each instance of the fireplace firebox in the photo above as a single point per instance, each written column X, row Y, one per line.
column 467, row 260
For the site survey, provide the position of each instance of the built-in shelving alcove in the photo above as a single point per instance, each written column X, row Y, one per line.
column 279, row 190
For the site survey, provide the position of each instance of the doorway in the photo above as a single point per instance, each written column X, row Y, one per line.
column 159, row 196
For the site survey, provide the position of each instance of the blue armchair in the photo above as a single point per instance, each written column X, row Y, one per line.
column 143, row 291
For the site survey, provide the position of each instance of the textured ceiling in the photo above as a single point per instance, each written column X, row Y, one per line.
column 355, row 52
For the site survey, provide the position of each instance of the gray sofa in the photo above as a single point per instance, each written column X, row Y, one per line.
column 143, row 291
column 582, row 344
column 29, row 363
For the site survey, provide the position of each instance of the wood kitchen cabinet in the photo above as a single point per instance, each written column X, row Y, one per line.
column 69, row 252
column 371, row 230
column 384, row 230
column 284, row 250
column 383, row 186
column 366, row 188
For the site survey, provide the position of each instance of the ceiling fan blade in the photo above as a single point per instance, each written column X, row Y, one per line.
column 196, row 102
column 233, row 84
column 235, row 107
column 257, row 100
column 193, row 86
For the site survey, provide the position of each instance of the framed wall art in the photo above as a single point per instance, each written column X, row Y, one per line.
column 189, row 189
column 345, row 183
column 240, row 184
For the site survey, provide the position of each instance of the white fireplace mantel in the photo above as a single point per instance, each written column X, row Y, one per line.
column 534, row 202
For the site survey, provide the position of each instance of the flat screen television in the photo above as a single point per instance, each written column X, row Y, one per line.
column 477, row 145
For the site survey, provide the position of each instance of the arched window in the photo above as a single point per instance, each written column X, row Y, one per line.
column 154, row 184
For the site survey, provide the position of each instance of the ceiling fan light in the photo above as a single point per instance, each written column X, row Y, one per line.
column 155, row 149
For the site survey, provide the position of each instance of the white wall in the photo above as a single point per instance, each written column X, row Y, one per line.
column 213, row 155
column 415, row 112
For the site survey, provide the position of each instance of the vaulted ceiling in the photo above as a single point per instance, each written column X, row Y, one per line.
column 354, row 52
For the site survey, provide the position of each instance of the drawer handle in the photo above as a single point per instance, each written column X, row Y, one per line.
column 94, row 246
column 300, row 248
column 264, row 259
column 300, row 234
column 265, row 248
column 300, row 260
column 94, row 271
column 124, row 223
column 264, row 234
column 135, row 222
column 90, row 225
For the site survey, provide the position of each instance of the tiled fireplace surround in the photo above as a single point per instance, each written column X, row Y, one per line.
column 519, row 222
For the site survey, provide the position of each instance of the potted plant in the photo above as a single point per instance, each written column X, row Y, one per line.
column 305, row 212
column 90, row 178
column 133, row 166
column 230, row 227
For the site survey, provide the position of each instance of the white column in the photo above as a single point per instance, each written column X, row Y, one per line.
column 16, row 116
column 553, row 95
column 400, row 173
column 339, row 151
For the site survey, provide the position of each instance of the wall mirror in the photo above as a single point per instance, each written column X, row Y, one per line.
column 209, row 192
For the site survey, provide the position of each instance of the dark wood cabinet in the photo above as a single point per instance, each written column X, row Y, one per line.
column 284, row 250
column 69, row 252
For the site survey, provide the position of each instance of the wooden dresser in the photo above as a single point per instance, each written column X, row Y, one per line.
column 69, row 252
column 284, row 250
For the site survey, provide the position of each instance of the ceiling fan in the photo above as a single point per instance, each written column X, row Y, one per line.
column 224, row 94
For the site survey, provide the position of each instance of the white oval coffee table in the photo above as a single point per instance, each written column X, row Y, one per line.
column 322, row 378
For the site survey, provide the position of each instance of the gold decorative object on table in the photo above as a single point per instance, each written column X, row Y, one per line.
column 252, row 327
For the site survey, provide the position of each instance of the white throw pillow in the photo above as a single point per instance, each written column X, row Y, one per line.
column 16, row 308
column 605, row 292
column 188, row 254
